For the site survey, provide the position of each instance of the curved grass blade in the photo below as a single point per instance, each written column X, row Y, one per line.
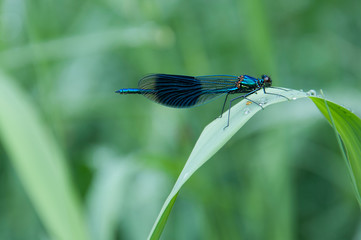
column 39, row 164
column 348, row 127
column 213, row 137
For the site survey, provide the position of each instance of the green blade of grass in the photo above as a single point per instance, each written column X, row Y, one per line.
column 39, row 164
column 213, row 137
column 348, row 127
column 75, row 46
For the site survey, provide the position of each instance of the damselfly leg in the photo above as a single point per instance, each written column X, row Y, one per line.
column 243, row 96
column 275, row 94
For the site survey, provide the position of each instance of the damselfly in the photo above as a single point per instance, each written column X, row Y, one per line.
column 181, row 91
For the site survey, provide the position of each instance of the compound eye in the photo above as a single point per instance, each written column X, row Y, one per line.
column 267, row 80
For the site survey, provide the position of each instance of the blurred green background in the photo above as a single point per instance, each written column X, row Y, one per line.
column 70, row 146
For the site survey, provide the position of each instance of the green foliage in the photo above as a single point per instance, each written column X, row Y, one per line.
column 39, row 164
column 113, row 158
column 348, row 128
column 213, row 137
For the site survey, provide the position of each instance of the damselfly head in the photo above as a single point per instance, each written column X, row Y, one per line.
column 267, row 80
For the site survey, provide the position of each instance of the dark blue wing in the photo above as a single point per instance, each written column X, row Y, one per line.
column 185, row 91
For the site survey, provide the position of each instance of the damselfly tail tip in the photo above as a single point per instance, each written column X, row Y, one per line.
column 118, row 91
